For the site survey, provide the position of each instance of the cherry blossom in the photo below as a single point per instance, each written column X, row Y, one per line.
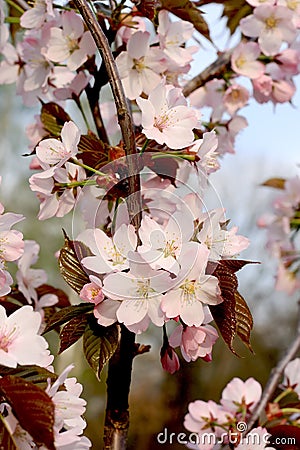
column 161, row 246
column 291, row 375
column 71, row 43
column 244, row 60
column 19, row 339
column 272, row 24
column 193, row 288
column 53, row 151
column 194, row 342
column 235, row 97
column 140, row 66
column 140, row 292
column 11, row 241
column 92, row 292
column 166, row 118
column 110, row 254
column 169, row 359
column 172, row 37
column 6, row 280
column 206, row 150
column 221, row 243
column 35, row 16
column 239, row 395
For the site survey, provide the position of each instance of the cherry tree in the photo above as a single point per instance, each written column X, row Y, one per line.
column 146, row 250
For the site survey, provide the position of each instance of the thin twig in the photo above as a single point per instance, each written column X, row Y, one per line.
column 213, row 71
column 124, row 115
column 275, row 377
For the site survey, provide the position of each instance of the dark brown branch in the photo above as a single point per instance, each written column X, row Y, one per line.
column 275, row 377
column 120, row 365
column 215, row 70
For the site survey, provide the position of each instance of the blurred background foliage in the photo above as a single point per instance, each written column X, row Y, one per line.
column 159, row 400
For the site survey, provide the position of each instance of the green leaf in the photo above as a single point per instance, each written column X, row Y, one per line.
column 53, row 118
column 70, row 266
column 64, row 315
column 277, row 183
column 35, row 374
column 72, row 332
column 187, row 10
column 32, row 407
column 99, row 344
column 6, row 439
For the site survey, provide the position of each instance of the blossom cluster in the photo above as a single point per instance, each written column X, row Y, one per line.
column 282, row 225
column 228, row 419
column 21, row 342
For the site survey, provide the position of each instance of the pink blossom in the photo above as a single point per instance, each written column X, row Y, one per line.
column 140, row 66
column 244, row 60
column 201, row 414
column 262, row 88
column 19, row 339
column 6, row 280
column 227, row 132
column 29, row 279
column 220, row 242
column 193, row 289
column 289, row 60
column 206, row 149
column 130, row 25
column 71, row 43
column 92, row 292
column 110, row 254
column 291, row 375
column 239, row 395
column 172, row 37
column 161, row 246
column 52, row 151
column 140, row 292
column 283, row 91
column 211, row 94
column 195, row 342
column 35, row 132
column 169, row 359
column 235, row 97
column 74, row 88
column 166, row 118
column 11, row 241
column 36, row 16
column 272, row 25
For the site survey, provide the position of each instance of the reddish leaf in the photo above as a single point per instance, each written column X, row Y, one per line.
column 66, row 314
column 53, row 118
column 63, row 299
column 232, row 316
column 72, row 331
column 32, row 407
column 288, row 435
column 244, row 320
column 146, row 8
column 35, row 374
column 277, row 183
column 99, row 344
column 93, row 151
column 70, row 266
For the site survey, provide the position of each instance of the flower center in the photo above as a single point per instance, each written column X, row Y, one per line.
column 139, row 64
column 161, row 122
column 240, row 62
column 72, row 44
column 6, row 338
column 271, row 22
column 143, row 288
column 292, row 4
column 188, row 291
column 170, row 249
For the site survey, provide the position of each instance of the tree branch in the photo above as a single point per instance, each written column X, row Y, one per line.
column 120, row 365
column 275, row 376
column 124, row 115
column 213, row 71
